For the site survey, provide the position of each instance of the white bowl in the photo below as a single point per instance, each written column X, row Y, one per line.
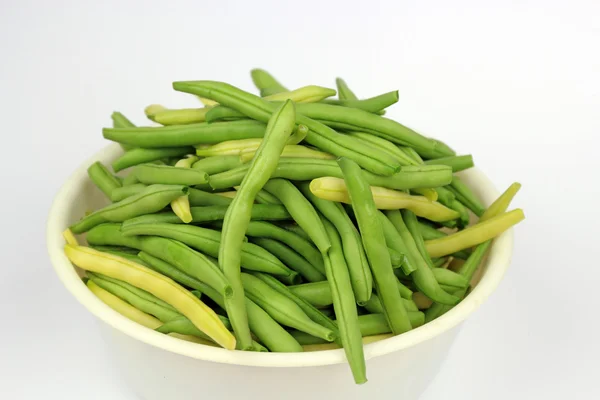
column 159, row 366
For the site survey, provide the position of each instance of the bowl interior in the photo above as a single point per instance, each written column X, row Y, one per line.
column 79, row 195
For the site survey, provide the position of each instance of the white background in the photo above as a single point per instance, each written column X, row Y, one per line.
column 516, row 83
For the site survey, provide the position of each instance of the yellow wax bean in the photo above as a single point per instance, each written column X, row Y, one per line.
column 181, row 205
column 228, row 147
column 306, row 94
column 69, row 237
column 153, row 109
column 501, row 204
column 334, row 189
column 162, row 287
column 475, row 234
column 181, row 116
column 297, row 151
column 230, row 194
column 430, row 194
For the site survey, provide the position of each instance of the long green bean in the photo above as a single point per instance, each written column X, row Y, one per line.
column 167, row 175
column 103, row 179
column 458, row 163
column 138, row 156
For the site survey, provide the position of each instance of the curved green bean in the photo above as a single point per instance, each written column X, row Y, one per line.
column 385, row 145
column 316, row 293
column 201, row 215
column 290, row 258
column 394, row 241
column 282, row 309
column 264, row 197
column 450, row 278
column 239, row 213
column 374, row 104
column 265, row 81
column 121, row 193
column 201, row 198
column 457, row 163
column 138, row 156
column 466, row 196
column 151, row 199
column 374, row 244
column 301, row 211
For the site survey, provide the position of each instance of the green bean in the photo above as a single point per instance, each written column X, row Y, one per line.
column 412, row 224
column 214, row 165
column 439, row 262
column 200, row 198
column 164, row 314
column 428, row 232
column 265, row 81
column 396, row 258
column 474, row 234
column 282, row 309
column 121, row 121
column 412, row 153
column 354, row 253
column 167, row 175
column 319, row 135
column 239, row 213
column 152, row 199
column 121, row 193
column 264, row 197
column 449, row 278
column 466, row 196
column 374, row 305
column 207, row 241
column 360, row 120
column 423, row 276
column 135, row 290
column 297, row 243
column 316, row 293
column 344, row 92
column 212, row 213
column 140, row 156
column 301, row 211
column 185, row 135
column 458, row 163
column 187, row 260
column 154, row 109
column 385, row 145
column 372, row 104
column 394, row 241
column 344, row 304
column 129, row 180
column 103, row 179
column 262, row 325
column 304, row 169
column 312, row 313
column 292, row 259
column 374, row 244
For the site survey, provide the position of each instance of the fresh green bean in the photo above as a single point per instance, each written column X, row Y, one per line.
column 282, row 309
column 319, row 135
column 304, row 169
column 301, row 211
column 344, row 92
column 239, row 213
column 121, row 193
column 423, row 276
column 458, row 163
column 121, row 121
column 292, row 259
column 183, row 116
column 374, row 243
column 439, row 262
column 262, row 325
column 140, row 156
column 201, row 215
column 152, row 199
column 344, row 304
column 103, row 179
column 354, row 253
column 466, row 196
column 412, row 224
column 316, row 293
column 185, row 135
column 396, row 258
column 449, row 278
column 412, row 153
column 475, row 234
column 311, row 311
column 167, row 175
column 207, row 241
column 162, row 313
column 380, row 126
column 295, row 242
column 374, row 305
column 294, row 227
column 264, row 82
column 214, row 165
column 189, row 261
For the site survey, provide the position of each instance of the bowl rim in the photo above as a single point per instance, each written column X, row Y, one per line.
column 498, row 261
